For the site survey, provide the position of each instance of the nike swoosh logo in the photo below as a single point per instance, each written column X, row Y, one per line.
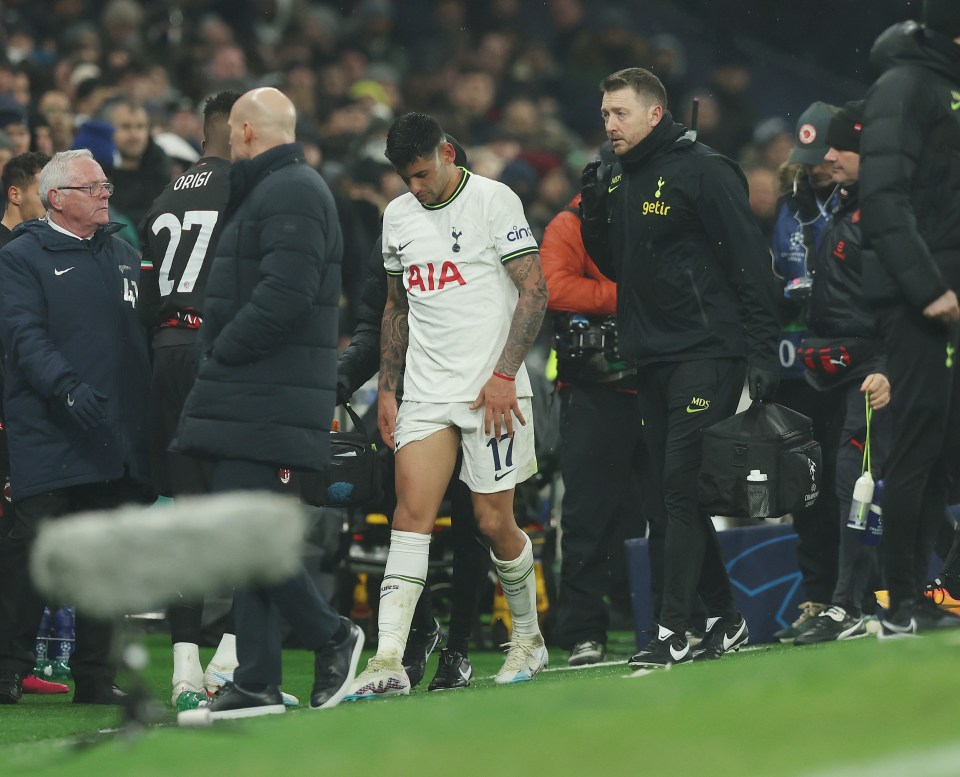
column 401, row 246
column 70, row 401
column 677, row 655
column 729, row 642
column 61, row 272
column 955, row 105
column 692, row 409
column 501, row 477
column 612, row 189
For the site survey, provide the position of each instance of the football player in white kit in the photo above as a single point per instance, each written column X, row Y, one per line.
column 466, row 297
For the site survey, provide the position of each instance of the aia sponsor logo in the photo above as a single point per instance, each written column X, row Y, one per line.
column 428, row 277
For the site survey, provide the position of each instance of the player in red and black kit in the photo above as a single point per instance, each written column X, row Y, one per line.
column 179, row 233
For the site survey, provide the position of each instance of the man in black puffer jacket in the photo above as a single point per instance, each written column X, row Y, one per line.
column 671, row 223
column 266, row 385
column 910, row 177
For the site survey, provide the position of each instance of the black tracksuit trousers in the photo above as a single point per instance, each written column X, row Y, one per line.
column 678, row 400
column 922, row 360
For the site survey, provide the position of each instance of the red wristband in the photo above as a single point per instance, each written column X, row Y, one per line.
column 503, row 377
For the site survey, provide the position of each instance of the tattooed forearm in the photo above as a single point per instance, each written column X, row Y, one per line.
column 527, row 276
column 394, row 332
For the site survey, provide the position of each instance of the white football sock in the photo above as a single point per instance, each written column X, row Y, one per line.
column 186, row 665
column 403, row 581
column 226, row 655
column 519, row 583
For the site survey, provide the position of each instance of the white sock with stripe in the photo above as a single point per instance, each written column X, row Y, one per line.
column 403, row 581
column 519, row 583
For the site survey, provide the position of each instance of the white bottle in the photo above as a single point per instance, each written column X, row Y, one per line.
column 758, row 494
column 860, row 504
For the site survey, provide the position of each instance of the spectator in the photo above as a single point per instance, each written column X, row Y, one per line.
column 13, row 122
column 142, row 169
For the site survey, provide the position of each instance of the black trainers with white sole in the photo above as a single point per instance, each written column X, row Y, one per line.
column 665, row 649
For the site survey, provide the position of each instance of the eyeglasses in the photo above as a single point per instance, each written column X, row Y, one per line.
column 93, row 189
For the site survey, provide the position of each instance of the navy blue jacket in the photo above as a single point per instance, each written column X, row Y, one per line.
column 266, row 385
column 68, row 314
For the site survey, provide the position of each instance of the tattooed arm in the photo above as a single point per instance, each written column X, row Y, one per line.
column 394, row 334
column 499, row 394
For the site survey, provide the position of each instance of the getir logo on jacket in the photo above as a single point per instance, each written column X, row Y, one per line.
column 656, row 206
column 427, row 277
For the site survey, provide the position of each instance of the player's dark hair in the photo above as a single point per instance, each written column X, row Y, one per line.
column 219, row 104
column 411, row 137
column 22, row 169
column 642, row 81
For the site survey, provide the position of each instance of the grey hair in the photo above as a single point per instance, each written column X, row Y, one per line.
column 57, row 173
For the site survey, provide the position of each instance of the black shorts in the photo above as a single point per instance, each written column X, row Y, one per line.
column 174, row 371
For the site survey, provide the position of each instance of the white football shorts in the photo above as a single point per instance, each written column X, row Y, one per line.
column 488, row 465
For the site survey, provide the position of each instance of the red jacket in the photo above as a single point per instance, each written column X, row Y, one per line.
column 573, row 280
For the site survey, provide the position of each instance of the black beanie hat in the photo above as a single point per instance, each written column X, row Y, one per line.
column 843, row 133
column 942, row 16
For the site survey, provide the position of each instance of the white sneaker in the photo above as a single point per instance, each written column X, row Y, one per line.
column 217, row 676
column 524, row 660
column 380, row 679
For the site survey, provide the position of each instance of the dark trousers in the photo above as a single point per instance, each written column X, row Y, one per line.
column 174, row 371
column 817, row 527
column 925, row 447
column 601, row 458
column 677, row 401
column 471, row 562
column 858, row 566
column 257, row 611
column 21, row 606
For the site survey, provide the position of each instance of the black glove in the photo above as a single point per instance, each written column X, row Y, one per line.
column 762, row 383
column 343, row 389
column 593, row 191
column 86, row 406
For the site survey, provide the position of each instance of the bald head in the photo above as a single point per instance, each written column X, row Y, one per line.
column 260, row 120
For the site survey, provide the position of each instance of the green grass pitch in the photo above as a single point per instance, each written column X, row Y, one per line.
column 853, row 709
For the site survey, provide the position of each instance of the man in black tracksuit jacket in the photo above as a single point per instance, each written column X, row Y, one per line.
column 671, row 223
column 909, row 181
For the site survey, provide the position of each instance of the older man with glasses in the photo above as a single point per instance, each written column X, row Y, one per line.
column 77, row 377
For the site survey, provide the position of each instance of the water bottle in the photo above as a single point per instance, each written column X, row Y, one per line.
column 42, row 648
column 64, row 634
column 860, row 504
column 874, row 532
column 758, row 494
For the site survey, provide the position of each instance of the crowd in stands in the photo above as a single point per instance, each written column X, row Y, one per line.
column 515, row 82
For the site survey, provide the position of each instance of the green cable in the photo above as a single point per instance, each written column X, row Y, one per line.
column 866, row 466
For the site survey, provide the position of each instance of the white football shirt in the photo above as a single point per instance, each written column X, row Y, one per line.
column 451, row 258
